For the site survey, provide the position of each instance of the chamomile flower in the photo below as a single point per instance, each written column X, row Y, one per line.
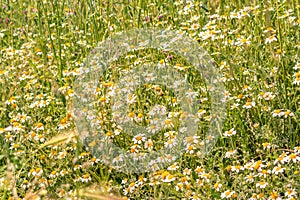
column 229, row 133
column 271, row 39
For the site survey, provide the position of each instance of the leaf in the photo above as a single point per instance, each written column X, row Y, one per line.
column 61, row 138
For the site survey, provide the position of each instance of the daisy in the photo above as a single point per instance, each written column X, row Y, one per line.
column 266, row 96
column 290, row 193
column 274, row 196
column 263, row 172
column 168, row 123
column 148, row 144
column 173, row 167
column 243, row 41
column 85, row 178
column 278, row 169
column 187, row 171
column 229, row 133
column 297, row 66
column 63, row 172
column 235, row 15
column 261, row 184
column 234, row 106
column 53, row 174
column 230, row 153
column 14, row 146
column 228, row 194
column 271, row 39
column 287, row 114
column 297, row 149
column 266, row 145
column 25, row 184
column 292, row 157
column 297, row 79
column 179, row 186
column 237, row 168
column 217, row 186
column 277, row 113
column 249, row 178
column 190, row 149
column 249, row 104
column 138, row 139
column 131, row 98
column 170, row 143
column 280, row 159
column 195, row 27
column 94, row 160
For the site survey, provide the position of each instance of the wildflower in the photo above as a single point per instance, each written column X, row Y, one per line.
column 167, row 177
column 278, row 169
column 168, row 123
column 63, row 172
column 61, row 193
column 26, row 184
column 235, row 15
column 199, row 170
column 217, row 186
column 292, row 157
column 261, row 184
column 170, row 143
column 288, row 113
column 290, row 193
column 94, row 160
column 187, row 171
column 268, row 96
column 297, row 66
column 86, row 178
column 274, row 196
column 39, row 126
column 35, row 172
column 39, row 137
column 263, row 172
column 266, row 145
column 14, row 146
column 161, row 64
column 138, row 139
column 234, row 106
column 249, row 178
column 190, row 149
column 243, row 41
column 297, row 149
column 53, row 174
column 173, row 167
column 195, row 27
column 134, row 148
column 62, row 154
column 297, row 78
column 230, row 153
column 280, row 159
column 229, row 133
column 199, row 182
column 205, row 176
column 228, row 194
column 237, row 168
column 249, row 104
column 179, row 186
column 76, row 167
column 277, row 113
column 148, row 144
column 271, row 39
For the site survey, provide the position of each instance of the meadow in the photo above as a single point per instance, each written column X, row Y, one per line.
column 255, row 47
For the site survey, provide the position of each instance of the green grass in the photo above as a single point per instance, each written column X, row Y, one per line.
column 42, row 44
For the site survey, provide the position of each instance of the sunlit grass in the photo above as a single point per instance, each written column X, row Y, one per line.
column 255, row 46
